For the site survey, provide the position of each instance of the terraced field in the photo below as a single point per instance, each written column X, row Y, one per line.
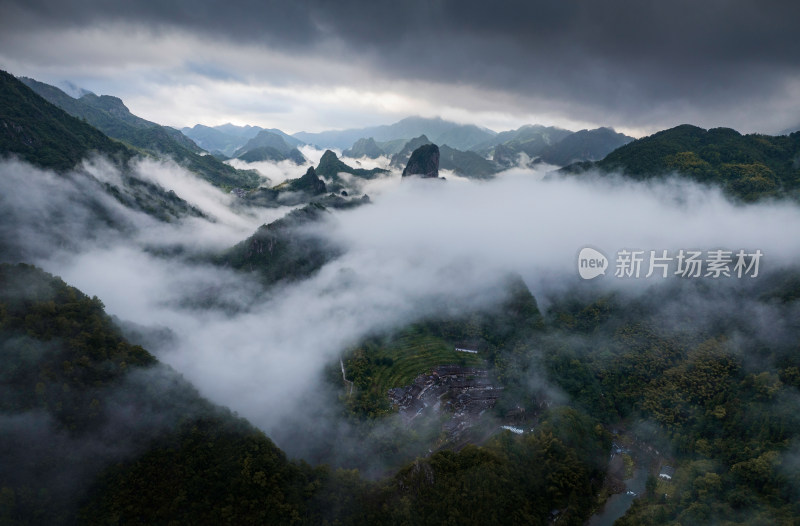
column 413, row 353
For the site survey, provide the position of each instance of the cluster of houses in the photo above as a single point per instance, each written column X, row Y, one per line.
column 462, row 392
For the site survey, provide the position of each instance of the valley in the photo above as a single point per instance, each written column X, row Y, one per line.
column 385, row 325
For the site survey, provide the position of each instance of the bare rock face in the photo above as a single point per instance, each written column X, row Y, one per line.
column 424, row 162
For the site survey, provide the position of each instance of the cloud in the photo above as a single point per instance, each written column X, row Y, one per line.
column 422, row 245
column 280, row 171
column 43, row 212
column 421, row 248
column 611, row 63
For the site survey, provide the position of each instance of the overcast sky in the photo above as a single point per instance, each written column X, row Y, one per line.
column 636, row 65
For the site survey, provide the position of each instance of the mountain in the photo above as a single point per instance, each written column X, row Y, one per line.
column 504, row 156
column 248, row 132
column 364, row 148
column 309, row 182
column 44, row 135
column 463, row 137
column 292, row 192
column 244, row 132
column 424, row 162
column 310, row 187
column 530, row 139
column 267, row 145
column 455, row 135
column 331, row 166
column 552, row 144
column 584, row 145
column 392, row 147
column 291, row 141
column 266, row 138
column 96, row 431
column 466, row 164
column 400, row 159
column 748, row 167
column 214, row 140
column 227, row 138
column 112, row 117
column 268, row 153
column 279, row 251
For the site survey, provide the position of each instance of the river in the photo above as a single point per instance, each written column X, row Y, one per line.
column 616, row 506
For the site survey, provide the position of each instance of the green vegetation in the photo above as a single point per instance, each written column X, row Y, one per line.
column 364, row 148
column 376, row 366
column 202, row 465
column 267, row 153
column 45, row 136
column 748, row 167
column 728, row 418
column 500, row 335
column 269, row 146
column 64, row 361
column 331, row 166
column 511, row 480
column 279, row 251
column 309, row 183
column 466, row 164
column 82, row 352
column 110, row 116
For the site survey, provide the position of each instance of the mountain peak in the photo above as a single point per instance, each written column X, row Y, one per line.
column 328, row 157
column 309, row 182
column 330, row 166
column 364, row 148
column 424, row 161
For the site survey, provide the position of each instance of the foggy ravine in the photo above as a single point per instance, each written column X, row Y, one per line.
column 419, row 245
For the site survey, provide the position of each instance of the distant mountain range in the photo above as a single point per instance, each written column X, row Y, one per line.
column 497, row 150
column 466, row 164
column 228, row 138
column 440, row 131
column 584, row 145
column 45, row 136
column 476, row 152
column 110, row 116
column 747, row 166
column 270, row 146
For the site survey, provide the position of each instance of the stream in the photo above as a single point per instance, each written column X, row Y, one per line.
column 616, row 506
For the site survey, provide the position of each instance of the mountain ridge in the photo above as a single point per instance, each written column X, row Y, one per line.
column 109, row 115
column 748, row 167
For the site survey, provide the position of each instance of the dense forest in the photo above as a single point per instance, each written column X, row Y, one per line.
column 748, row 167
column 720, row 401
column 185, row 460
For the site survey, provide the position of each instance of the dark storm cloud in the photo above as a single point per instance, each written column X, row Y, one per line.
column 638, row 60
